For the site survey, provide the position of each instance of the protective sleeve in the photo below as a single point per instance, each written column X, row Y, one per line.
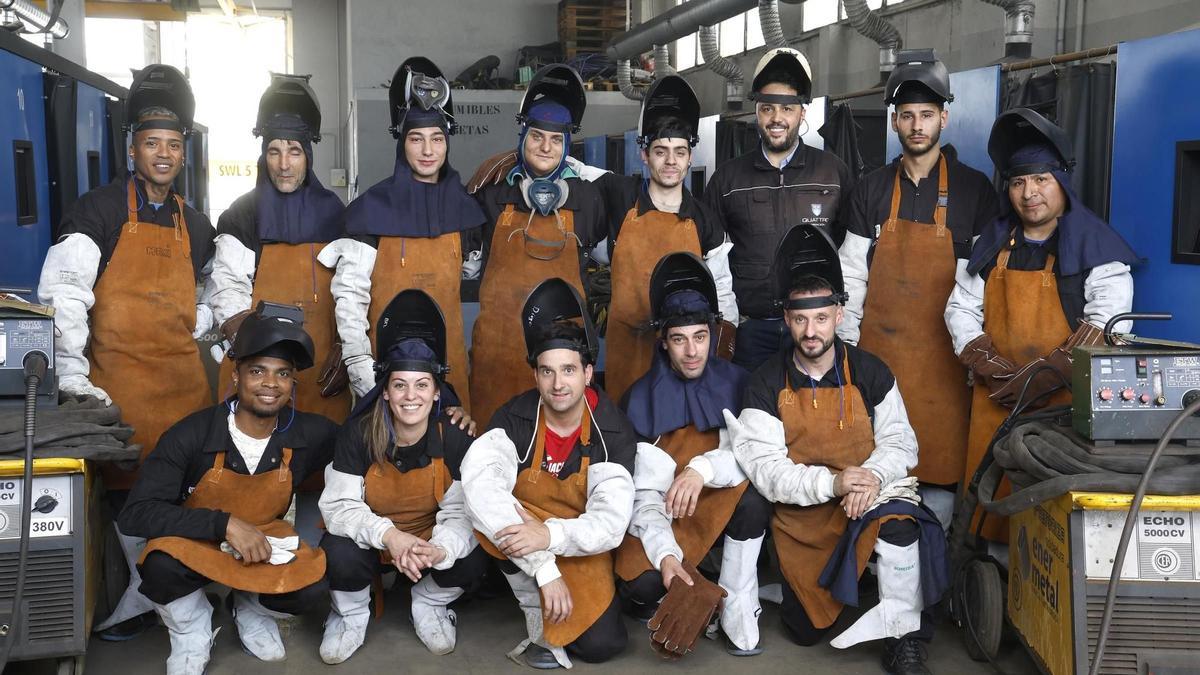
column 964, row 307
column 453, row 531
column 68, row 276
column 895, row 452
column 605, row 518
column 1108, row 291
column 230, row 287
column 759, row 445
column 587, row 172
column 653, row 473
column 717, row 261
column 353, row 263
column 719, row 467
column 489, row 474
column 346, row 514
column 853, row 256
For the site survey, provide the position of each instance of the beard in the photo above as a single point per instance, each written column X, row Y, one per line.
column 788, row 142
column 918, row 150
column 261, row 411
column 814, row 352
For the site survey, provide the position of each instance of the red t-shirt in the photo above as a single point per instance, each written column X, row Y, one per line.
column 558, row 448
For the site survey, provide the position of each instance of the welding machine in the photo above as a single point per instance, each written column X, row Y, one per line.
column 25, row 328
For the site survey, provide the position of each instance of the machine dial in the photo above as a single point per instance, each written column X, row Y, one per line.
column 1105, row 393
column 1127, row 394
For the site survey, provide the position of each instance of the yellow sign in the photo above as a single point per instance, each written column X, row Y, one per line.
column 1039, row 594
column 233, row 168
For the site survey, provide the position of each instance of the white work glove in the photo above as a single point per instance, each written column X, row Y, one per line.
column 361, row 370
column 79, row 385
column 204, row 321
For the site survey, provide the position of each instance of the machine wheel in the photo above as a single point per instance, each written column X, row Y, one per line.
column 70, row 665
column 983, row 610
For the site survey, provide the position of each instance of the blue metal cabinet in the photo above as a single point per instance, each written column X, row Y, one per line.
column 24, row 182
column 92, row 138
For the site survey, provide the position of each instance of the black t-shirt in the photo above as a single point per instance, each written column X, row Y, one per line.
column 622, row 193
column 868, row 372
column 441, row 439
column 101, row 214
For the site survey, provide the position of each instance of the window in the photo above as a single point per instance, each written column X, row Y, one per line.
column 819, row 13
column 735, row 35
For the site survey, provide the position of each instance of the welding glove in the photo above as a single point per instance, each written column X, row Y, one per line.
column 1049, row 372
column 986, row 364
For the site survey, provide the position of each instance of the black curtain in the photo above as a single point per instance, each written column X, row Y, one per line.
column 61, row 92
column 841, row 137
column 735, row 138
column 1080, row 99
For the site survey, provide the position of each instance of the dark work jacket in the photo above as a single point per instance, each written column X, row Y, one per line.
column 759, row 203
column 187, row 451
column 622, row 193
column 619, row 442
column 101, row 215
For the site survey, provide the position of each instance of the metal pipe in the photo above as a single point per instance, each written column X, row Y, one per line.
column 673, row 24
column 772, row 27
column 1094, row 53
column 625, row 82
column 662, row 61
column 726, row 68
column 32, row 14
column 871, row 25
column 1018, row 26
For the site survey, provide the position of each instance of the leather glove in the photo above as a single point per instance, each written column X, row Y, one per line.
column 79, row 385
column 1048, row 373
column 334, row 378
column 683, row 614
column 492, row 171
column 986, row 364
column 726, row 339
column 204, row 321
column 230, row 328
column 361, row 370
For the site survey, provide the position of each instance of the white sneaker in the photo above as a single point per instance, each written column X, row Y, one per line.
column 189, row 622
column 434, row 622
column 257, row 628
column 346, row 627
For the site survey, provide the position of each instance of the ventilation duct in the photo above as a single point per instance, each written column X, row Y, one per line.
column 673, row 24
column 710, row 49
column 662, row 61
column 1018, row 27
column 36, row 18
column 625, row 81
column 873, row 26
column 772, row 27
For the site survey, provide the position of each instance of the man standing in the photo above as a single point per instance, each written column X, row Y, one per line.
column 549, row 488
column 689, row 487
column 909, row 226
column 1043, row 278
column 765, row 192
column 268, row 240
column 213, row 494
column 408, row 230
column 541, row 219
column 653, row 217
column 825, row 436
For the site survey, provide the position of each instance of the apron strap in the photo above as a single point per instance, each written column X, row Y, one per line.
column 1048, row 271
column 943, row 202
column 847, row 411
column 894, row 211
column 131, row 202
column 584, row 465
column 539, row 451
column 219, row 467
column 285, row 467
column 439, row 478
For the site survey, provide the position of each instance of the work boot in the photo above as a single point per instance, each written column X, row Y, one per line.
column 535, row 654
column 540, row 658
column 256, row 627
column 898, row 611
column 432, row 619
column 189, row 622
column 739, row 578
column 134, row 613
column 346, row 626
column 905, row 657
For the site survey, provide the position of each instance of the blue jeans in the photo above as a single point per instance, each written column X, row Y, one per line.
column 758, row 340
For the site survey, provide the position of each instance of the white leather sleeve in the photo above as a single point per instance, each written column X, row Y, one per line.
column 605, row 518
column 719, row 467
column 587, row 172
column 473, row 265
column 1108, row 291
column 653, row 473
column 489, row 473
column 353, row 263
column 853, row 256
column 453, row 531
column 68, row 276
column 964, row 308
column 346, row 514
column 717, row 261
column 895, row 452
column 759, row 446
column 231, row 285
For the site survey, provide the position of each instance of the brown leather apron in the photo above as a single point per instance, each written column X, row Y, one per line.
column 141, row 349
column 805, row 536
column 521, row 257
column 1023, row 314
column 434, row 265
column 696, row 533
column 290, row 274
column 409, row 499
column 641, row 243
column 912, row 275
column 589, row 578
column 261, row 500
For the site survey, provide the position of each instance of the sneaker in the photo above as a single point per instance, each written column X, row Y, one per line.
column 540, row 658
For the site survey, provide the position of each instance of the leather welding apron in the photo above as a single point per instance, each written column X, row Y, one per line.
column 641, row 243
column 289, row 274
column 589, row 578
column 697, row 533
column 816, row 433
column 141, row 350
column 261, row 500
column 410, row 498
column 526, row 249
column 1023, row 314
column 912, row 275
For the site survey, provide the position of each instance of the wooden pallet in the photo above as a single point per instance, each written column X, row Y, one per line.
column 601, row 85
column 571, row 52
column 598, row 20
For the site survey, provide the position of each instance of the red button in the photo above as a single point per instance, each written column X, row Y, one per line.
column 1105, row 394
column 1144, row 398
column 1127, row 394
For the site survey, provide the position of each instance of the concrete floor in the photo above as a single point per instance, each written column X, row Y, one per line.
column 488, row 628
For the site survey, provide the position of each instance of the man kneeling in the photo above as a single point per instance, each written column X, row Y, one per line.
column 549, row 489
column 211, row 497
